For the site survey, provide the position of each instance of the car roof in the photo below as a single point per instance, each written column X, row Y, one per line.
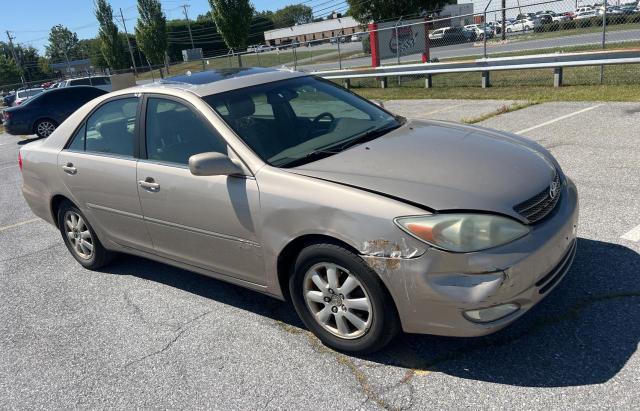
column 82, row 78
column 209, row 82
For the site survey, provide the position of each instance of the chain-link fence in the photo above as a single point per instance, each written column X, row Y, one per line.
column 520, row 28
column 484, row 29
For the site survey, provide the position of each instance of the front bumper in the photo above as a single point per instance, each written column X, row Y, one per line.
column 432, row 291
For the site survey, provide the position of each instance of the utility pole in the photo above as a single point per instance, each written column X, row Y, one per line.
column 13, row 53
column 186, row 16
column 133, row 60
column 504, row 20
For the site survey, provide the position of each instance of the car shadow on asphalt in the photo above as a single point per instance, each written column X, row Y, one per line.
column 583, row 333
column 27, row 140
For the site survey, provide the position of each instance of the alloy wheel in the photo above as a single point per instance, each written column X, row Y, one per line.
column 79, row 235
column 45, row 128
column 337, row 300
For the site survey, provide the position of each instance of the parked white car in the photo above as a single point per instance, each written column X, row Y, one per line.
column 438, row 34
column 521, row 25
column 24, row 95
column 481, row 30
column 584, row 9
column 585, row 15
column 101, row 82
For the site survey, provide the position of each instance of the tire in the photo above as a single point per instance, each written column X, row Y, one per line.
column 44, row 127
column 364, row 331
column 92, row 255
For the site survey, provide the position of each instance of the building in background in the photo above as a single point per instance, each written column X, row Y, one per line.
column 72, row 67
column 316, row 31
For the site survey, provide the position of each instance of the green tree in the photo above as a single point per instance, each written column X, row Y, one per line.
column 9, row 73
column 376, row 10
column 293, row 14
column 151, row 30
column 92, row 49
column 233, row 19
column 63, row 44
column 110, row 45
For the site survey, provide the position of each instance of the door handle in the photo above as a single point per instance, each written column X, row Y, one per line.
column 69, row 168
column 149, row 184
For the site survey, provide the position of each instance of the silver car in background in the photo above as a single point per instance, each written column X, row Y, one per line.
column 290, row 185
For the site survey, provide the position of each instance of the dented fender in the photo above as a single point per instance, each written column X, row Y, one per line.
column 361, row 219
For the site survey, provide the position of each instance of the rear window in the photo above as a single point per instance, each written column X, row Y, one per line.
column 80, row 82
column 100, row 81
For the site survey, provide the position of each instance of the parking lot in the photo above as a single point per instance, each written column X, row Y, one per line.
column 142, row 334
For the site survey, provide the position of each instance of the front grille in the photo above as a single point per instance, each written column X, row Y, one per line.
column 537, row 207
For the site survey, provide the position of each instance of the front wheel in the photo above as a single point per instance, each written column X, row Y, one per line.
column 342, row 300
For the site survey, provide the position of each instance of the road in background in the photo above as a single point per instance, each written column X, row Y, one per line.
column 475, row 49
column 142, row 334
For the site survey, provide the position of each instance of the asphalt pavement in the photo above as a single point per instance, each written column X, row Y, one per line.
column 140, row 334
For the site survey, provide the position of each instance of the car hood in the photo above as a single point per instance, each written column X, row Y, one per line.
column 443, row 166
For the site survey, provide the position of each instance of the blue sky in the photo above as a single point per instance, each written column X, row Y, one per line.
column 30, row 20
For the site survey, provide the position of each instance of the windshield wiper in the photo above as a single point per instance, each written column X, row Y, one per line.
column 337, row 148
column 310, row 156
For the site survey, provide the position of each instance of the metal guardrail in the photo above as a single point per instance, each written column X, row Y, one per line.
column 556, row 61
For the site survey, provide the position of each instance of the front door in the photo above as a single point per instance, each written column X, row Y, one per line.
column 99, row 168
column 205, row 221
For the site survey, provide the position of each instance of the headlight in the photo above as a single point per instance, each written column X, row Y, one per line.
column 462, row 232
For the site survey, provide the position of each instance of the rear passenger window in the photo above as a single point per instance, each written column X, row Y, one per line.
column 175, row 132
column 78, row 140
column 111, row 128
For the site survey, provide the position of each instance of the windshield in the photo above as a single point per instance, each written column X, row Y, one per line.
column 295, row 121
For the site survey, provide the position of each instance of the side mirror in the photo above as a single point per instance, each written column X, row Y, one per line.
column 213, row 164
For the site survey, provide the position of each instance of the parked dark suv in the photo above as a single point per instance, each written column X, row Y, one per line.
column 43, row 113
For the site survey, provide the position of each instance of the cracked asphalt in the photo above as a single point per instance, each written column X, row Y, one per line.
column 145, row 335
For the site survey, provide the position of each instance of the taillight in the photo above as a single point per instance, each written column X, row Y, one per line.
column 20, row 160
column 6, row 115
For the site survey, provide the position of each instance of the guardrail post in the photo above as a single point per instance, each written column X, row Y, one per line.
column 373, row 43
column 557, row 77
column 383, row 82
column 486, row 80
column 346, row 83
column 428, row 81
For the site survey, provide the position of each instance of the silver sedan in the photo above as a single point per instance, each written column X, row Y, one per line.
column 292, row 186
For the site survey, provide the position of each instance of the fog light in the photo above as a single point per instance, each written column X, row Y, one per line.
column 485, row 315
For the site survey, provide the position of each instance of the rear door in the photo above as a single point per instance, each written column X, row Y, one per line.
column 99, row 168
column 205, row 221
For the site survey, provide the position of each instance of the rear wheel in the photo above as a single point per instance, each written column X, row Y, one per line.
column 45, row 127
column 342, row 300
column 80, row 239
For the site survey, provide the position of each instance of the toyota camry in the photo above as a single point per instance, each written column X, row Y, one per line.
column 292, row 186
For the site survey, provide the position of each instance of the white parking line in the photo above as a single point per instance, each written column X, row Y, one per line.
column 7, row 227
column 633, row 235
column 444, row 109
column 546, row 123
